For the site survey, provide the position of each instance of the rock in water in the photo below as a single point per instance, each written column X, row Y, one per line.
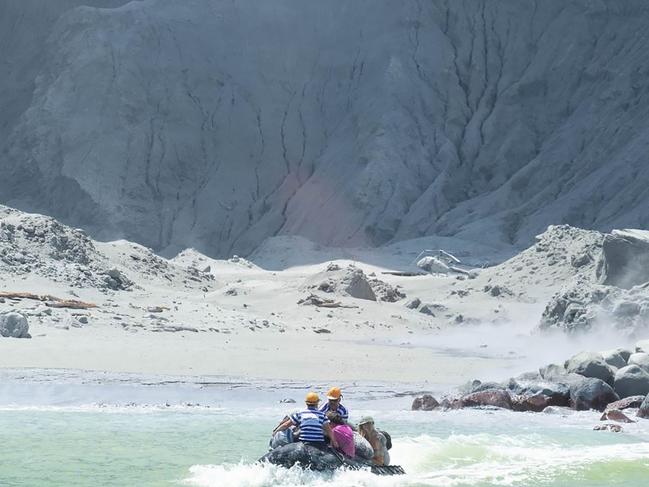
column 535, row 402
column 494, row 397
column 631, row 380
column 591, row 393
column 530, row 394
column 590, row 365
column 614, row 428
column 615, row 415
column 643, row 412
column 14, row 325
column 425, row 403
column 627, row 402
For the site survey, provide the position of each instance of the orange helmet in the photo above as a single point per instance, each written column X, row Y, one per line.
column 334, row 394
column 312, row 398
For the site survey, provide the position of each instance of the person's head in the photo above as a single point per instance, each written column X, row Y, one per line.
column 335, row 418
column 334, row 396
column 366, row 424
column 312, row 400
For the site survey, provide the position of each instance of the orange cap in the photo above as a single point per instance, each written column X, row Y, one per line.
column 312, row 398
column 334, row 393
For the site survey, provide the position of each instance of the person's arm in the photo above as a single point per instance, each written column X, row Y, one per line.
column 377, row 459
column 330, row 434
column 284, row 425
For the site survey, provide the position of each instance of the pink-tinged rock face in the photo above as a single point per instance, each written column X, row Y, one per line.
column 497, row 398
column 627, row 402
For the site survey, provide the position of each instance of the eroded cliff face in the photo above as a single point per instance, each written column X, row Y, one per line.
column 215, row 124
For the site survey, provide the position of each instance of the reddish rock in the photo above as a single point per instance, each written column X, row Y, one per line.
column 425, row 403
column 496, row 397
column 615, row 428
column 535, row 402
column 615, row 415
column 627, row 402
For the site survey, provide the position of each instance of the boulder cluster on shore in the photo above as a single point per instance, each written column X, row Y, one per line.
column 610, row 381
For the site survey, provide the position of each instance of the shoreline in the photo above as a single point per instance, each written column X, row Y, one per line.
column 257, row 356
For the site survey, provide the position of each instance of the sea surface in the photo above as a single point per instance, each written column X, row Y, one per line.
column 83, row 430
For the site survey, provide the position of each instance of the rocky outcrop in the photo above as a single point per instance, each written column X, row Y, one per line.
column 631, row 380
column 456, row 118
column 583, row 306
column 349, row 281
column 14, row 325
column 624, row 261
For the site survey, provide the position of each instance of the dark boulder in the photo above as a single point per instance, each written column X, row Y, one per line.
column 591, row 393
column 425, row 403
column 14, row 325
column 558, row 394
column 590, row 365
column 534, row 402
column 495, row 397
column 616, row 358
column 631, row 380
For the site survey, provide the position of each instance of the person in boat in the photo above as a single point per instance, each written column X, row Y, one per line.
column 377, row 439
column 312, row 423
column 281, row 438
column 334, row 396
column 343, row 433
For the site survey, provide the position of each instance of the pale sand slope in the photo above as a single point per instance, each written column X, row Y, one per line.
column 236, row 319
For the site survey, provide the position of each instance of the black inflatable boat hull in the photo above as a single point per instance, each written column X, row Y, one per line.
column 321, row 459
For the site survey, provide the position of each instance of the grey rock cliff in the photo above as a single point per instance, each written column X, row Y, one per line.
column 214, row 124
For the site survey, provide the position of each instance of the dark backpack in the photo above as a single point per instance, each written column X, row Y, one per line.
column 388, row 439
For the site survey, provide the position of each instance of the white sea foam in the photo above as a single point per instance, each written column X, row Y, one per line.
column 459, row 460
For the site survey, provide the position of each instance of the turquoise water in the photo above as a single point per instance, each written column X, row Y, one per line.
column 154, row 446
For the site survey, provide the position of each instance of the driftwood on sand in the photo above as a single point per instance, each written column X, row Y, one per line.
column 50, row 301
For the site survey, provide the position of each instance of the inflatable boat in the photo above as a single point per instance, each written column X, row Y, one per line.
column 322, row 459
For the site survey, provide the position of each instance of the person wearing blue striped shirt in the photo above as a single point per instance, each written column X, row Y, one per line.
column 333, row 404
column 313, row 423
